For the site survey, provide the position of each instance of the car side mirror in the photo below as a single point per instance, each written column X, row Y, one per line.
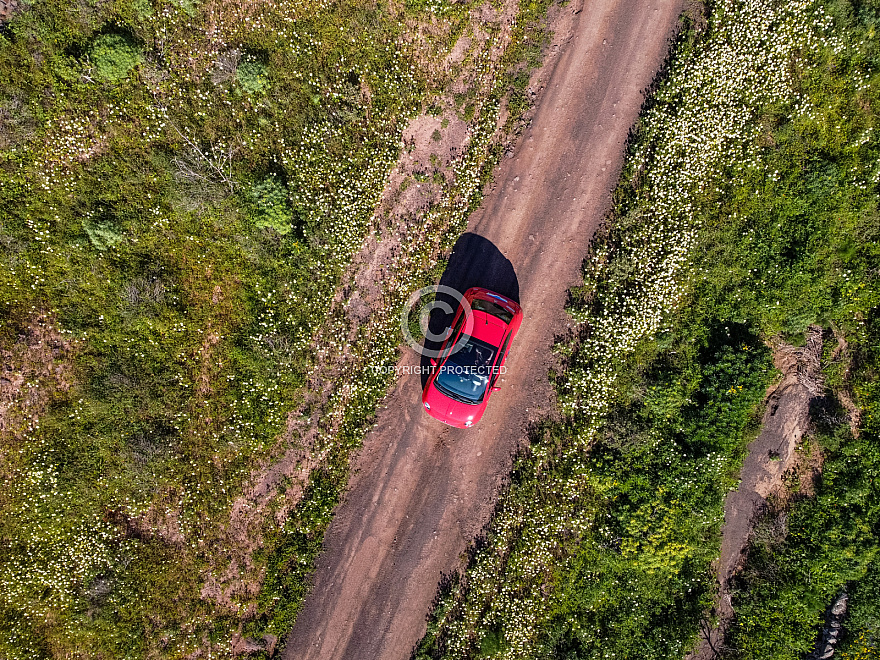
column 495, row 388
column 434, row 362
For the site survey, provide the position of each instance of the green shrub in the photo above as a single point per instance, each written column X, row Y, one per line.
column 252, row 76
column 273, row 211
column 113, row 56
column 102, row 235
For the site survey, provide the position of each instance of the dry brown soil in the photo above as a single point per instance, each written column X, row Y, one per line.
column 770, row 456
column 7, row 8
column 421, row 491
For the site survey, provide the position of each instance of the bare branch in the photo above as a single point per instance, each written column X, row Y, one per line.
column 216, row 160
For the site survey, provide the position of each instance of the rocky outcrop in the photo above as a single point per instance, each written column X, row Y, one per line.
column 831, row 631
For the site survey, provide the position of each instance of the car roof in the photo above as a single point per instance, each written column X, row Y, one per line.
column 488, row 328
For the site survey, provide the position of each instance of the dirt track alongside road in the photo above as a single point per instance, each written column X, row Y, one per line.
column 421, row 491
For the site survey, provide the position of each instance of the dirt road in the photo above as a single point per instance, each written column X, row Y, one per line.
column 421, row 490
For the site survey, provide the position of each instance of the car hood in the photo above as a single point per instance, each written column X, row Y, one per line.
column 449, row 410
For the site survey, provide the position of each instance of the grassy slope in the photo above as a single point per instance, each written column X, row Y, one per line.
column 786, row 235
column 191, row 298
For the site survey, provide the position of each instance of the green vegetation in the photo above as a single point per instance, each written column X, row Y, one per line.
column 747, row 211
column 270, row 198
column 638, row 578
column 114, row 56
column 251, row 76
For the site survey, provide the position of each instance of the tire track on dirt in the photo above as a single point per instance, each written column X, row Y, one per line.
column 420, row 490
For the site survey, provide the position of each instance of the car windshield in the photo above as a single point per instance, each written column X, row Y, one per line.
column 493, row 309
column 465, row 374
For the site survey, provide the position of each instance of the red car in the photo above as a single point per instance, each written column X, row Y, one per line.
column 471, row 358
